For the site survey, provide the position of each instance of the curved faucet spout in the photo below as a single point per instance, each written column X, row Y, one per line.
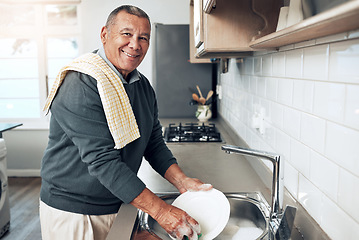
column 277, row 182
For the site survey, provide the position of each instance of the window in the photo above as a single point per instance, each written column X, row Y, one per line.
column 36, row 40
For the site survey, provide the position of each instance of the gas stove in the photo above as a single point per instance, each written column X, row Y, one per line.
column 192, row 132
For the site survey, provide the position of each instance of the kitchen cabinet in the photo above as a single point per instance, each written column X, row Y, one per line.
column 192, row 40
column 342, row 18
column 230, row 26
column 234, row 29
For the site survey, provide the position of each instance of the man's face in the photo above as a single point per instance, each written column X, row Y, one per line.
column 126, row 42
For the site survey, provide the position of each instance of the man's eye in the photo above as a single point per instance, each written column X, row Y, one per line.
column 126, row 34
column 144, row 39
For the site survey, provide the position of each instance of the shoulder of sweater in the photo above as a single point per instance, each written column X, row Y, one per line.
column 144, row 80
column 75, row 78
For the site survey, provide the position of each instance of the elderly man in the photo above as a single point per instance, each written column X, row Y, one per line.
column 104, row 120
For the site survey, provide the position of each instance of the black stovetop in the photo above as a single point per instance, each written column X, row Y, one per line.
column 192, row 132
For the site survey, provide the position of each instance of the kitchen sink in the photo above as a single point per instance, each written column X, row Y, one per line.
column 249, row 217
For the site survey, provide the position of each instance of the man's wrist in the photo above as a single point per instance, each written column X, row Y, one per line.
column 175, row 176
column 148, row 202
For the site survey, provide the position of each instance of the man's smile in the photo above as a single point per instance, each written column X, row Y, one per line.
column 129, row 55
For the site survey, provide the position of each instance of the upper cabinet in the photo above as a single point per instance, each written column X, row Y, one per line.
column 195, row 34
column 342, row 18
column 225, row 28
column 236, row 28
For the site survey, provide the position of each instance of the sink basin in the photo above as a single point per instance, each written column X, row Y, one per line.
column 248, row 219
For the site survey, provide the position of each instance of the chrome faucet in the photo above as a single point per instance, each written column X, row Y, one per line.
column 280, row 223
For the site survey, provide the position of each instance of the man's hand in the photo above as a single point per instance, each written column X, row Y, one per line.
column 193, row 185
column 175, row 221
column 183, row 183
column 178, row 223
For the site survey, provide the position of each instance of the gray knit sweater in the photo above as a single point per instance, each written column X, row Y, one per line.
column 81, row 171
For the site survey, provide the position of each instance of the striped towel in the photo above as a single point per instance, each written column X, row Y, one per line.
column 118, row 111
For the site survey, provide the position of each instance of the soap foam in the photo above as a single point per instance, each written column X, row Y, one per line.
column 205, row 187
column 247, row 231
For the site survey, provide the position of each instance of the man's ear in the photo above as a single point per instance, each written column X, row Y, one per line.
column 104, row 34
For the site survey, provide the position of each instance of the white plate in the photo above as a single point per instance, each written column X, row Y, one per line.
column 211, row 210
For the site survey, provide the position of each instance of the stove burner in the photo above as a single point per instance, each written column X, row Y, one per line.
column 192, row 132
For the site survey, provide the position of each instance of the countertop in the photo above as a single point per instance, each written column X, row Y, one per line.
column 8, row 126
column 205, row 161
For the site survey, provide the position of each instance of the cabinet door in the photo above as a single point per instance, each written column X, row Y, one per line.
column 232, row 25
column 192, row 46
column 197, row 22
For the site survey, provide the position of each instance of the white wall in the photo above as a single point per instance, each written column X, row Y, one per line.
column 24, row 151
column 310, row 94
column 25, row 147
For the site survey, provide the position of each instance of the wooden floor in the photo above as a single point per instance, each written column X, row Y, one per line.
column 24, row 209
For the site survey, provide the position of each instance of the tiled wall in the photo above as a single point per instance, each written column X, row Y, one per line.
column 308, row 94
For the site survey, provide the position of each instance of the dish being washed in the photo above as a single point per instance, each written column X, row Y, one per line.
column 211, row 210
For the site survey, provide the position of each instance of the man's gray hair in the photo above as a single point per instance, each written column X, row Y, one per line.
column 129, row 9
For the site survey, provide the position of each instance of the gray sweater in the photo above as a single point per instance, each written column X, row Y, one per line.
column 81, row 170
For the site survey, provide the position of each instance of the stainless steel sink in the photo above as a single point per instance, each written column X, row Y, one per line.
column 249, row 219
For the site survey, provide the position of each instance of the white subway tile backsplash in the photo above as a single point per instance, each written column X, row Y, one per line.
column 256, row 141
column 291, row 122
column 310, row 93
column 246, row 83
column 261, row 86
column 315, row 62
column 248, row 66
column 291, row 179
column 269, row 134
column 348, row 196
column 310, row 197
column 342, row 146
column 329, row 100
column 236, row 65
column 303, row 92
column 285, row 91
column 245, row 116
column 278, row 67
column 276, row 114
column 271, row 88
column 257, row 66
column 265, row 107
column 336, row 223
column 351, row 117
column 250, row 102
column 242, row 129
column 300, row 157
column 268, row 148
column 283, row 144
column 293, row 63
column 267, row 65
column 253, row 85
column 344, row 61
column 312, row 132
column 324, row 174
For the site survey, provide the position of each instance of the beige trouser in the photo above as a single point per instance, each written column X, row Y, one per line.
column 61, row 225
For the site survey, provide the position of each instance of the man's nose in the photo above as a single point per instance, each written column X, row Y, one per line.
column 134, row 43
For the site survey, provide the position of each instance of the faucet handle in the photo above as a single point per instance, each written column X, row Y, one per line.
column 286, row 224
